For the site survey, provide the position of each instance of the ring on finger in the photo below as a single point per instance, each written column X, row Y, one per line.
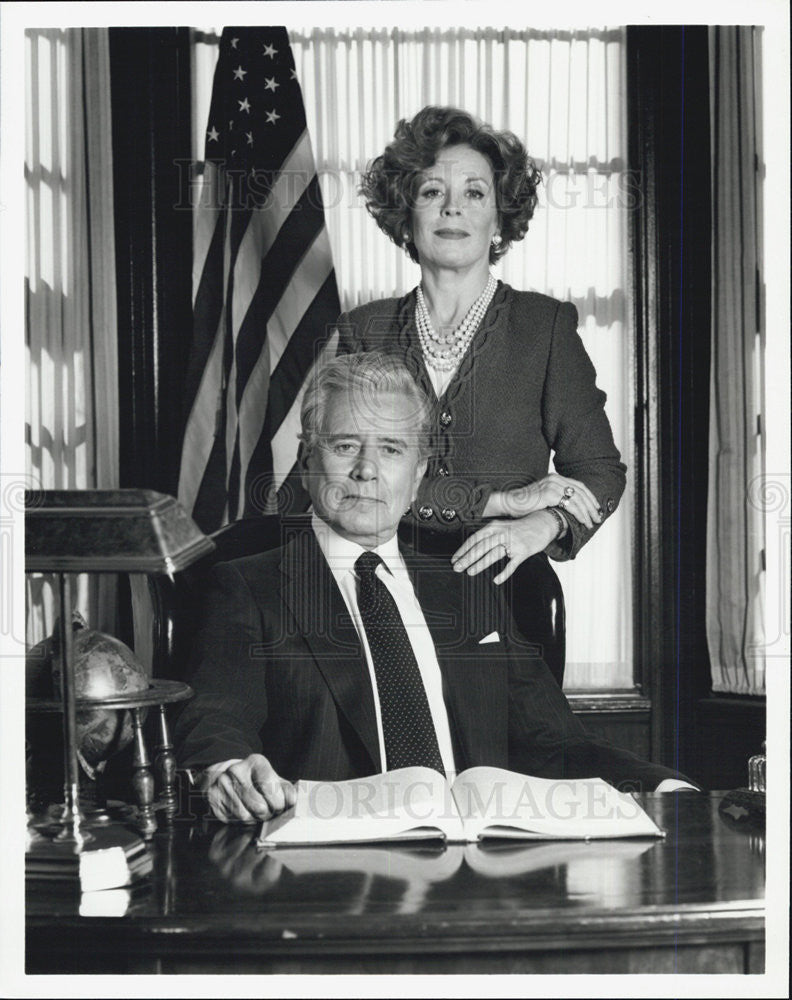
column 562, row 503
column 505, row 548
column 569, row 491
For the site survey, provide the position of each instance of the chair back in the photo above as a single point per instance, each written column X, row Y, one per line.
column 166, row 609
column 537, row 606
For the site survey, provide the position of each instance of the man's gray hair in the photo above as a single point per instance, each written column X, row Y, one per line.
column 363, row 377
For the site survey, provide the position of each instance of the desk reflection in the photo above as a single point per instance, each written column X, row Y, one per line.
column 401, row 877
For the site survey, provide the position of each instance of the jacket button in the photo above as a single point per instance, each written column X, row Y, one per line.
column 610, row 505
column 442, row 471
column 425, row 512
column 448, row 513
column 445, row 418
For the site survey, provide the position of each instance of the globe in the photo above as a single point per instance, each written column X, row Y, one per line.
column 103, row 667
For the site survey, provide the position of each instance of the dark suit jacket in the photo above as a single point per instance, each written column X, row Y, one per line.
column 525, row 386
column 279, row 670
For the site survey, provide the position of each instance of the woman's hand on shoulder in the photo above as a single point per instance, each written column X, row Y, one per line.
column 551, row 491
column 516, row 538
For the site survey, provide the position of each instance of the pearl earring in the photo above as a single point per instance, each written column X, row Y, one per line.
column 496, row 240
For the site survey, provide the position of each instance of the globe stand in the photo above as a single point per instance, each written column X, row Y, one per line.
column 104, row 531
column 147, row 778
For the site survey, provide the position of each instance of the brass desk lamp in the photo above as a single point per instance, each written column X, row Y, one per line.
column 104, row 531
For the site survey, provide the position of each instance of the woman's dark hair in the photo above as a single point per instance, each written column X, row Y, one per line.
column 390, row 183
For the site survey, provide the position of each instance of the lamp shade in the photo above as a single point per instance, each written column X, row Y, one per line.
column 113, row 531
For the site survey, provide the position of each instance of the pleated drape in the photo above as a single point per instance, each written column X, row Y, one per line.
column 737, row 494
column 71, row 424
column 563, row 94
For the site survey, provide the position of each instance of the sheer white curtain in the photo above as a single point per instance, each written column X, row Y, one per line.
column 71, row 419
column 563, row 93
column 738, row 497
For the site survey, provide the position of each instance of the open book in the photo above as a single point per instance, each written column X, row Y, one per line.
column 417, row 803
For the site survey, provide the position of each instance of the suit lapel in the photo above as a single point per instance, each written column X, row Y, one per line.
column 459, row 612
column 311, row 593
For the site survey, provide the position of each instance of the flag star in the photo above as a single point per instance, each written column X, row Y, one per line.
column 270, row 84
column 234, row 42
column 249, row 137
column 293, row 72
column 735, row 811
column 244, row 105
column 270, row 50
column 239, row 73
column 213, row 134
column 272, row 117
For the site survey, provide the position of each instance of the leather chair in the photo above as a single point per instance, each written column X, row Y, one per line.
column 166, row 610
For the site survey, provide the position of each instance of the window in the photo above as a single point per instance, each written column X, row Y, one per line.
column 563, row 93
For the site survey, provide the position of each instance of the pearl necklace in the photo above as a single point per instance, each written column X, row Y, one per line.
column 442, row 351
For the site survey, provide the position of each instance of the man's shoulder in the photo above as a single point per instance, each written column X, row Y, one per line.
column 296, row 546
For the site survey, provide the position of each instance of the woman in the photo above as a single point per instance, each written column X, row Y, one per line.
column 509, row 372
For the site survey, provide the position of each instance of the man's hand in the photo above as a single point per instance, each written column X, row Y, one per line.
column 249, row 791
column 517, row 539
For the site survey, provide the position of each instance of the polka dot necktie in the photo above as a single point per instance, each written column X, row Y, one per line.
column 410, row 737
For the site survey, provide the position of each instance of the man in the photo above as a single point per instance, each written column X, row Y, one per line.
column 342, row 654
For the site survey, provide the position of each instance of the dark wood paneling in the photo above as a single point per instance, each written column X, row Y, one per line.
column 669, row 159
column 731, row 729
column 721, row 959
column 150, row 94
column 619, row 716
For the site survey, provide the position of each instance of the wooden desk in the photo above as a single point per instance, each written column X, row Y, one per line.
column 690, row 903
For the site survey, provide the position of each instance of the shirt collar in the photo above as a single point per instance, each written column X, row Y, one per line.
column 341, row 553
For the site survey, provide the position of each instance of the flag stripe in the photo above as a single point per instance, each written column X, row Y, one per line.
column 200, row 431
column 285, row 438
column 305, row 344
column 307, row 281
column 207, row 211
column 208, row 309
column 286, row 382
column 299, row 230
column 265, row 222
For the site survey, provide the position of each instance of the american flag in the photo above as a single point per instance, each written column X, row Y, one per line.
column 265, row 294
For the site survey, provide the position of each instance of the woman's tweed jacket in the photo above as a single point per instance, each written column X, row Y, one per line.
column 525, row 387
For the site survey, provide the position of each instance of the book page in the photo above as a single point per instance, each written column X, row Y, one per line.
column 411, row 803
column 497, row 803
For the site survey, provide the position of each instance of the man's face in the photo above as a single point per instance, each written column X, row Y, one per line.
column 364, row 470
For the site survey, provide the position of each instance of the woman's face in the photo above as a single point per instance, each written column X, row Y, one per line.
column 455, row 214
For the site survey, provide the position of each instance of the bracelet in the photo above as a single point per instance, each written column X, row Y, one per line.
column 563, row 524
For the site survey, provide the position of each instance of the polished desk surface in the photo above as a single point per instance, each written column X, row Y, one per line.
column 690, row 902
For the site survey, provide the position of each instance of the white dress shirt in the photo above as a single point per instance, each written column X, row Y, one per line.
column 341, row 555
